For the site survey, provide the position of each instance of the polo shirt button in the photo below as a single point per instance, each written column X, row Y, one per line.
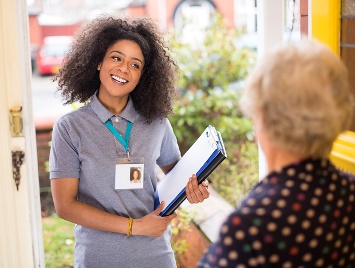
column 116, row 120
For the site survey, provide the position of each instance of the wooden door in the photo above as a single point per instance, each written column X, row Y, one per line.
column 20, row 219
column 347, row 43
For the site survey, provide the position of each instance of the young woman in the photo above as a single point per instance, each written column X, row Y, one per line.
column 122, row 71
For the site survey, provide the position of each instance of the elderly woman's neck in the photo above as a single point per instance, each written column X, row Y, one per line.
column 278, row 158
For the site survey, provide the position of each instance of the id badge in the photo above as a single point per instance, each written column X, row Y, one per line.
column 129, row 173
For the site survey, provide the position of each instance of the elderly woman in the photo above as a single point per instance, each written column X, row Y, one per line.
column 302, row 214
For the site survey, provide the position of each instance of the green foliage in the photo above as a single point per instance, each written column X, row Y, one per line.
column 193, row 112
column 217, row 63
column 211, row 76
column 238, row 173
column 58, row 239
column 178, row 225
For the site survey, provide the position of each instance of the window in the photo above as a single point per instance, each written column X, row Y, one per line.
column 191, row 18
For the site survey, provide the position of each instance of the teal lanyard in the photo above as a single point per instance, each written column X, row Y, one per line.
column 123, row 141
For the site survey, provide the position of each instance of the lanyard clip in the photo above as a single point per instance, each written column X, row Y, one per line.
column 128, row 156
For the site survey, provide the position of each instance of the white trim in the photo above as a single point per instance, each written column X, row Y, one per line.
column 235, row 11
column 162, row 14
column 270, row 24
column 270, row 33
column 309, row 18
column 34, row 201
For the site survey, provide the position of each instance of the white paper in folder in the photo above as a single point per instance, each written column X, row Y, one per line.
column 193, row 160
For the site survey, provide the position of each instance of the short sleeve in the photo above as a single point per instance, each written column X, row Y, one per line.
column 169, row 151
column 63, row 160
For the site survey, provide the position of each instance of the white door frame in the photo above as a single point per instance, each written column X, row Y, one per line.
column 270, row 33
column 20, row 211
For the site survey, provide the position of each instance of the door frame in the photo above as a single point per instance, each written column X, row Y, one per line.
column 21, row 240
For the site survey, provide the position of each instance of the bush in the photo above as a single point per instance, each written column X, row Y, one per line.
column 209, row 91
column 193, row 112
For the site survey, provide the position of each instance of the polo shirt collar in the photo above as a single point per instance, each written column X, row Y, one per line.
column 129, row 113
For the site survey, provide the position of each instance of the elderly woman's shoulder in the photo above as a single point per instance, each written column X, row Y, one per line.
column 348, row 175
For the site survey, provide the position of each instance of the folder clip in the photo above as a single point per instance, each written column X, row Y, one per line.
column 210, row 138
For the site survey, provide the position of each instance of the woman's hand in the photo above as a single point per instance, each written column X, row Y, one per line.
column 195, row 192
column 152, row 224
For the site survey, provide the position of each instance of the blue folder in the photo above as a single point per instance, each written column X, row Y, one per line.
column 201, row 159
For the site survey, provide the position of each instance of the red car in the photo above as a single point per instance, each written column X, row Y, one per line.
column 51, row 53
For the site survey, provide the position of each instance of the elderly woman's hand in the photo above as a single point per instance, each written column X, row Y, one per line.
column 195, row 192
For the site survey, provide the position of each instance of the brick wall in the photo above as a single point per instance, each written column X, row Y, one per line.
column 35, row 33
column 304, row 17
column 196, row 243
column 43, row 138
column 53, row 30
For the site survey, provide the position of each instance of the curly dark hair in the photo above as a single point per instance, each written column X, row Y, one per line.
column 78, row 79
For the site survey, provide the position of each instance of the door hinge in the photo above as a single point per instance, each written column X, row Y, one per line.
column 16, row 124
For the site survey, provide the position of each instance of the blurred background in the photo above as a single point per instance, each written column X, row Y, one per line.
column 215, row 45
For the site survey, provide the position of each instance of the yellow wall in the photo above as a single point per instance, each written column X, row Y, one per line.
column 325, row 16
column 343, row 152
column 325, row 19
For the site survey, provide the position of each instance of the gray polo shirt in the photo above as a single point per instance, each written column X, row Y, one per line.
column 83, row 147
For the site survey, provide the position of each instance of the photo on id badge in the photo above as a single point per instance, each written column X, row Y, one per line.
column 129, row 174
column 136, row 175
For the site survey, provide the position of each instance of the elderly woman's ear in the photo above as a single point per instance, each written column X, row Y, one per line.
column 302, row 92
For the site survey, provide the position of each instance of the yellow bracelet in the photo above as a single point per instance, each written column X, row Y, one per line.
column 130, row 227
column 130, row 224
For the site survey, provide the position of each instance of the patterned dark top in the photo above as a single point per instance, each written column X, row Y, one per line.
column 303, row 216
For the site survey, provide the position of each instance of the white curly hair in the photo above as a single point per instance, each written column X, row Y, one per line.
column 302, row 95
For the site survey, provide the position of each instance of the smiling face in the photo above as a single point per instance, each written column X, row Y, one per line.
column 120, row 71
column 135, row 175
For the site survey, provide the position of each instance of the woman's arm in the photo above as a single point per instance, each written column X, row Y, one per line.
column 167, row 168
column 65, row 190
